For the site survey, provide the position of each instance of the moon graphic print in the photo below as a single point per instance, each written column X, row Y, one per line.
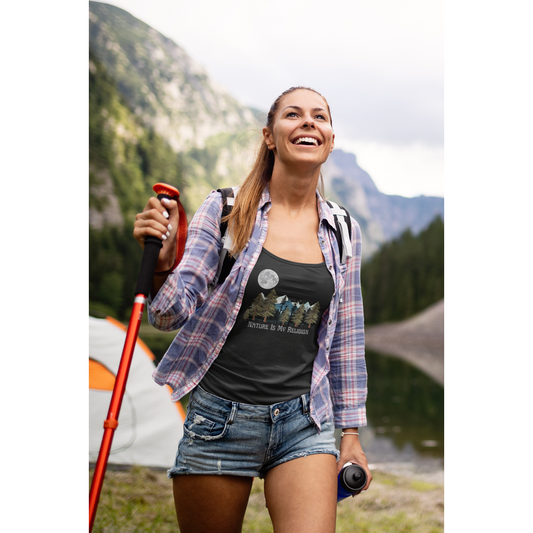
column 267, row 279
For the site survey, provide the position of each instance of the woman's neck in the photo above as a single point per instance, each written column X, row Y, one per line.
column 294, row 191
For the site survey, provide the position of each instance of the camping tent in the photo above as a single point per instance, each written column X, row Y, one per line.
column 150, row 424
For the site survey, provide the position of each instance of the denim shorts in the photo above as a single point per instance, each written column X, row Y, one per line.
column 222, row 437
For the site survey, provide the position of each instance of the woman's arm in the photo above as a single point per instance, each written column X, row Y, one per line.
column 348, row 376
column 347, row 363
column 179, row 294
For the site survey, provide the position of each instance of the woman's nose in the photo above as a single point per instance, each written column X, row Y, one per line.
column 309, row 123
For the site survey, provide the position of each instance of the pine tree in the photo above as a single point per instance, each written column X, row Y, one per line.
column 405, row 276
column 299, row 316
column 285, row 315
column 312, row 315
column 255, row 307
column 268, row 308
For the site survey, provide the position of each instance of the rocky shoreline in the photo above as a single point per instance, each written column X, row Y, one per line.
column 418, row 340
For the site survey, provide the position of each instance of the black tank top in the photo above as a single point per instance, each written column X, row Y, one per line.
column 268, row 355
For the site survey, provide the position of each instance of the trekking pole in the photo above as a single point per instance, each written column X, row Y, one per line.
column 152, row 246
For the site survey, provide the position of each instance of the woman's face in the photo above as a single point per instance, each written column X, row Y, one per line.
column 301, row 131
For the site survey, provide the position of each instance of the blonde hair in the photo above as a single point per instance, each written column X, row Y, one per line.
column 241, row 220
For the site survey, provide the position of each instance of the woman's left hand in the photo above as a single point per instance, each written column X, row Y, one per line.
column 352, row 452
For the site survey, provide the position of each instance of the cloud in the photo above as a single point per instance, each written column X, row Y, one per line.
column 409, row 170
column 379, row 63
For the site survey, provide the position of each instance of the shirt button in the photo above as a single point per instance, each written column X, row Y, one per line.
column 330, row 321
column 276, row 412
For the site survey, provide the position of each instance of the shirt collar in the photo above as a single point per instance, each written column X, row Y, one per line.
column 265, row 198
column 324, row 211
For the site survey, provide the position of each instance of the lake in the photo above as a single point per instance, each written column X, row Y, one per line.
column 405, row 411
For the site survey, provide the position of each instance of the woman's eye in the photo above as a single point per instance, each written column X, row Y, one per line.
column 322, row 117
column 291, row 114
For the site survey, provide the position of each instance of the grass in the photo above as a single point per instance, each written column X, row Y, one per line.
column 139, row 499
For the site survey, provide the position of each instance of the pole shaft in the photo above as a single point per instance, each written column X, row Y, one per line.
column 152, row 246
column 114, row 407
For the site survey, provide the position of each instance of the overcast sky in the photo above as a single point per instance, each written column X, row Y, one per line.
column 379, row 63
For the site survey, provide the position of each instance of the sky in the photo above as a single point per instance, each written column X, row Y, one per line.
column 379, row 63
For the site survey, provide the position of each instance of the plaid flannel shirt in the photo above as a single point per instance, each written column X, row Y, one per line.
column 339, row 379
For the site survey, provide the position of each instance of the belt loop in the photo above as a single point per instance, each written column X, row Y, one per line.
column 234, row 407
column 305, row 406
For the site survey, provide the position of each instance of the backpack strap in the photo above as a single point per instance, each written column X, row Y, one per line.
column 343, row 230
column 225, row 261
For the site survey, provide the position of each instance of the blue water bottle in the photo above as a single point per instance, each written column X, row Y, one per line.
column 352, row 478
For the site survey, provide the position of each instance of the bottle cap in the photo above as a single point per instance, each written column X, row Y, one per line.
column 353, row 478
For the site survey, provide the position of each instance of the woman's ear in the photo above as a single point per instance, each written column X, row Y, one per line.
column 267, row 137
column 332, row 142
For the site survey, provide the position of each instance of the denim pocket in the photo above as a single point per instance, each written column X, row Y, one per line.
column 204, row 424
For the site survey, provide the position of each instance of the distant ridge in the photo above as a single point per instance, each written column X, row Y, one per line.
column 382, row 217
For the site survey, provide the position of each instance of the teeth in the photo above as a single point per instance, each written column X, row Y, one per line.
column 306, row 139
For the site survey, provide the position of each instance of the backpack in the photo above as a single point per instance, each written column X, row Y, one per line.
column 343, row 233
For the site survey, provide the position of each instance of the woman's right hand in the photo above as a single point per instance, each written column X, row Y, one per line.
column 159, row 219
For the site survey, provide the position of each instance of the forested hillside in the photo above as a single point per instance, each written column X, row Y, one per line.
column 405, row 276
column 125, row 160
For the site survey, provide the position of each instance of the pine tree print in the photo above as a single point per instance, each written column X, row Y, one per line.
column 299, row 316
column 285, row 316
column 312, row 315
column 268, row 308
column 255, row 307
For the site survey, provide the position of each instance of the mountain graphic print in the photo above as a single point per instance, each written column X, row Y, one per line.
column 282, row 312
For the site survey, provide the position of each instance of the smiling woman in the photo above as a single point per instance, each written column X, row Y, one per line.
column 298, row 113
column 274, row 356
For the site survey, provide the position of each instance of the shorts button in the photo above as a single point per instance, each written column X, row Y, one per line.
column 276, row 412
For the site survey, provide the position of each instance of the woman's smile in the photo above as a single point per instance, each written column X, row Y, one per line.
column 306, row 141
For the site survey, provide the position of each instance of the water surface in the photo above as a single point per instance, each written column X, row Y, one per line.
column 405, row 411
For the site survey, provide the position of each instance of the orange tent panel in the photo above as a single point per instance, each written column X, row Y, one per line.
column 100, row 377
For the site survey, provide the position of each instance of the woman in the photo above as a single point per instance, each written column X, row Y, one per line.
column 274, row 356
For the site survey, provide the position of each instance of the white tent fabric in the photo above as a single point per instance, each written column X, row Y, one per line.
column 150, row 424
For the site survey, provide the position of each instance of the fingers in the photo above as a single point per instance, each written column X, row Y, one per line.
column 155, row 221
column 170, row 211
column 369, row 478
column 151, row 223
column 357, row 456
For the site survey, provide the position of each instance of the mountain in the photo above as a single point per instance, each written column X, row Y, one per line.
column 156, row 115
column 175, row 97
column 382, row 217
column 161, row 82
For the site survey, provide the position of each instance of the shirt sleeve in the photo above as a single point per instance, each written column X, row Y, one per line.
column 348, row 375
column 186, row 288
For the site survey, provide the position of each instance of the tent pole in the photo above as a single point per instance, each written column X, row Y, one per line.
column 151, row 253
